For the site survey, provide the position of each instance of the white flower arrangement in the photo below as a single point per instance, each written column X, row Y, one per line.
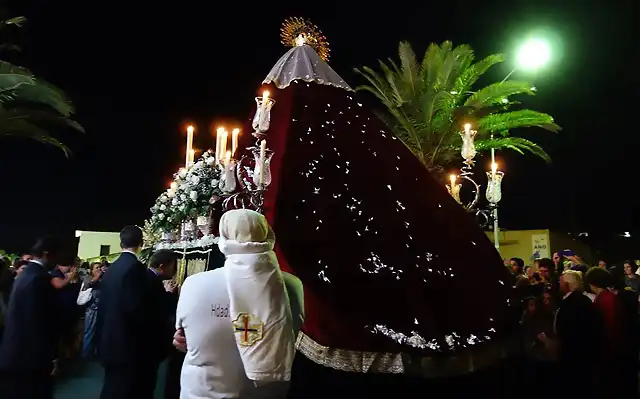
column 189, row 195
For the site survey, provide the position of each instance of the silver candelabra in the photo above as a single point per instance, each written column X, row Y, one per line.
column 494, row 185
column 252, row 180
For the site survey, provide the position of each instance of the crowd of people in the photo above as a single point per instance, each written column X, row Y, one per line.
column 132, row 312
column 230, row 332
column 579, row 322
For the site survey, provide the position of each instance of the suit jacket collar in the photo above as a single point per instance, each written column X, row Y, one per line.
column 131, row 253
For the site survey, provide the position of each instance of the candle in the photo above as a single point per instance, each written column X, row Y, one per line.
column 265, row 98
column 234, row 141
column 467, row 128
column 223, row 143
column 189, row 144
column 453, row 180
column 173, row 186
column 227, row 158
column 219, row 134
column 192, row 156
column 263, row 154
column 494, row 169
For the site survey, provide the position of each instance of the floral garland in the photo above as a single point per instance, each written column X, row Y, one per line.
column 189, row 196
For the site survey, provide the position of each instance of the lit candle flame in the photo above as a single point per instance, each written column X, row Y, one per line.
column 189, row 145
column 219, row 133
column 234, row 141
column 223, row 143
column 467, row 128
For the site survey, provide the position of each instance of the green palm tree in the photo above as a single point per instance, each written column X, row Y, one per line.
column 31, row 107
column 427, row 103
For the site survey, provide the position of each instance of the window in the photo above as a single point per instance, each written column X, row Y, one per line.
column 105, row 250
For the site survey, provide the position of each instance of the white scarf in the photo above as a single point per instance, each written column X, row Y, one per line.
column 259, row 305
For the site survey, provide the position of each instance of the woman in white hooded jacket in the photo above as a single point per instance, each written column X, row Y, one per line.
column 237, row 319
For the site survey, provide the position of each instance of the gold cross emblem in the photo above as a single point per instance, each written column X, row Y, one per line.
column 249, row 328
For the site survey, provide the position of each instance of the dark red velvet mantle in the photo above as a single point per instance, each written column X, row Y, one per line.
column 374, row 238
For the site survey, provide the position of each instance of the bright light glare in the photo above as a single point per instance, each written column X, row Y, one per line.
column 534, row 54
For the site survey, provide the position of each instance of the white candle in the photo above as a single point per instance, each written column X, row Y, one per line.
column 189, row 143
column 223, row 143
column 453, row 180
column 467, row 128
column 227, row 159
column 265, row 98
column 192, row 156
column 263, row 153
column 173, row 186
column 219, row 134
column 494, row 169
column 234, row 141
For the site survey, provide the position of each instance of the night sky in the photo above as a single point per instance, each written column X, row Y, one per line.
column 138, row 71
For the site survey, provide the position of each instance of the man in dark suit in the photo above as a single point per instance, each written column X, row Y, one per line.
column 578, row 330
column 131, row 317
column 29, row 343
column 163, row 266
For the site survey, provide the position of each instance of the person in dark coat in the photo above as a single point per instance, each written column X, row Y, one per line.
column 132, row 320
column 163, row 266
column 577, row 328
column 29, row 343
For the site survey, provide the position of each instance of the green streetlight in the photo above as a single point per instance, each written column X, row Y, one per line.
column 532, row 55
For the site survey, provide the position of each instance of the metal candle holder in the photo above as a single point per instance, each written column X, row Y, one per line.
column 484, row 217
column 250, row 194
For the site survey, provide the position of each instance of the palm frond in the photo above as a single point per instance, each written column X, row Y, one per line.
column 378, row 85
column 17, row 21
column 41, row 118
column 410, row 69
column 12, row 77
column 21, row 128
column 496, row 123
column 518, row 144
column 42, row 93
column 471, row 75
column 497, row 92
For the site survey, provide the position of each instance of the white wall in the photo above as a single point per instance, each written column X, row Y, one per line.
column 90, row 242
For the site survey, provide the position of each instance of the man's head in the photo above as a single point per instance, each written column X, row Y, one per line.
column 26, row 257
column 47, row 250
column 557, row 258
column 131, row 238
column 630, row 268
column 598, row 279
column 545, row 266
column 602, row 264
column 517, row 265
column 547, row 298
column 165, row 263
column 571, row 281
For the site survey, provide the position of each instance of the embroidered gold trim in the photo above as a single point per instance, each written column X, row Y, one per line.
column 402, row 363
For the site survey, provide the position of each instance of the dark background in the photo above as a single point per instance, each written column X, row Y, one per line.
column 138, row 71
